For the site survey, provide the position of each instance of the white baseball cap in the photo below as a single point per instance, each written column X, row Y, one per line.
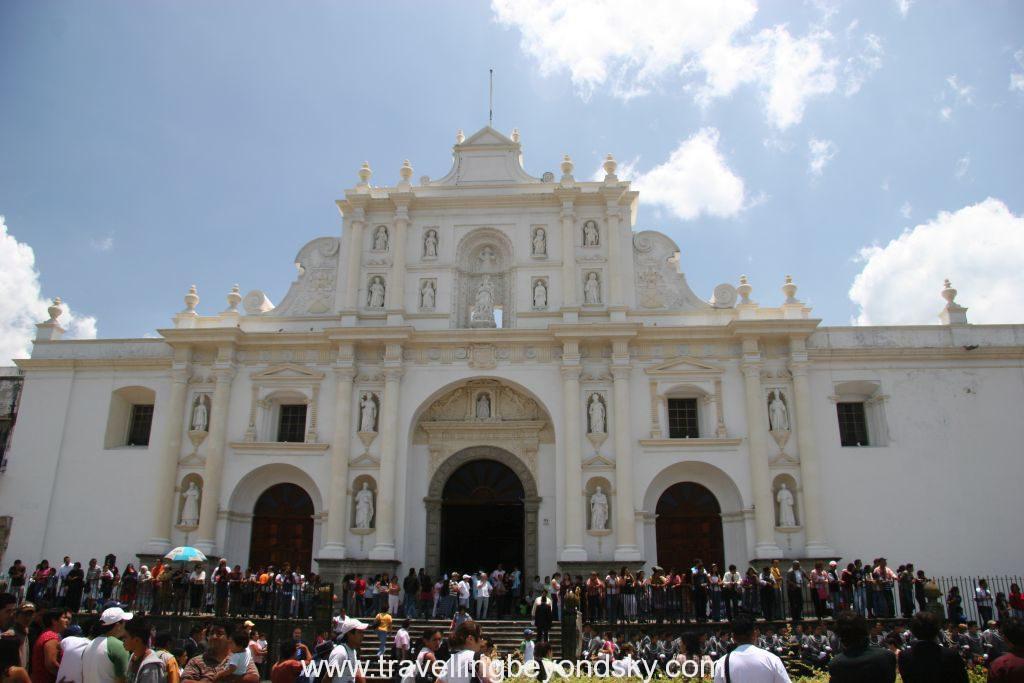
column 349, row 624
column 113, row 615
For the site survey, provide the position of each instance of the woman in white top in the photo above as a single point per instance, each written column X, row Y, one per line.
column 460, row 667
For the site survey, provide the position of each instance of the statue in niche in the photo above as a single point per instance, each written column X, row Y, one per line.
column 367, row 414
column 380, row 239
column 777, row 413
column 784, row 498
column 592, row 290
column 487, row 257
column 540, row 295
column 483, row 310
column 598, row 510
column 376, row 296
column 190, row 505
column 540, row 242
column 364, row 507
column 591, row 237
column 428, row 295
column 483, row 406
column 430, row 244
column 200, row 415
column 597, row 415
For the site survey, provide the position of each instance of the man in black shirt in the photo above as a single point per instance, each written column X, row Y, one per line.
column 859, row 662
column 925, row 661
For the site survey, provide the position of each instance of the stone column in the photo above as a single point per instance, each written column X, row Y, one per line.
column 572, row 508
column 757, row 443
column 396, row 285
column 810, row 477
column 568, row 257
column 612, row 215
column 625, row 510
column 337, row 505
column 167, row 477
column 354, row 247
column 214, row 470
column 386, row 494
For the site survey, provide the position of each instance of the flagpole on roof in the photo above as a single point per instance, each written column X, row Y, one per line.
column 490, row 101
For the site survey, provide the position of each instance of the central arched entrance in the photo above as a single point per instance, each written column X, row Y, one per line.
column 689, row 526
column 482, row 518
column 282, row 528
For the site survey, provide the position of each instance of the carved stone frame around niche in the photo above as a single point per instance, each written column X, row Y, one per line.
column 688, row 375
column 434, row 499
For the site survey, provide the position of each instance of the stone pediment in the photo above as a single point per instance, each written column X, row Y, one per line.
column 486, row 158
column 683, row 367
column 287, row 372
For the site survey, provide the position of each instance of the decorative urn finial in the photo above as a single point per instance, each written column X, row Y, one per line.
column 515, row 135
column 406, row 171
column 55, row 310
column 191, row 301
column 234, row 298
column 744, row 290
column 460, row 137
column 610, row 165
column 789, row 290
column 948, row 293
column 567, row 165
column 365, row 173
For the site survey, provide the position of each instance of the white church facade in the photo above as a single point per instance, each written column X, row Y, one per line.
column 492, row 367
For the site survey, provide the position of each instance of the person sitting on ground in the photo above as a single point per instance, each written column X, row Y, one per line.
column 925, row 661
column 749, row 663
column 859, row 662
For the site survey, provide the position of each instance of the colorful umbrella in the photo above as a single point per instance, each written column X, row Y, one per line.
column 185, row 553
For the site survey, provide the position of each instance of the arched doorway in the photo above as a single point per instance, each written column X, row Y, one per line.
column 688, row 526
column 282, row 528
column 483, row 518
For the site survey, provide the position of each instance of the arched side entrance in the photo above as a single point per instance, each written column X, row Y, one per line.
column 482, row 517
column 282, row 528
column 689, row 526
column 482, row 502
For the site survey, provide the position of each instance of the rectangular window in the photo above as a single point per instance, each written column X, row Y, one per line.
column 139, row 424
column 682, row 418
column 291, row 424
column 853, row 424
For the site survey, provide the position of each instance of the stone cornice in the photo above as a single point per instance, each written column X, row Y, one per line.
column 279, row 447
column 93, row 363
column 202, row 336
column 700, row 444
column 772, row 328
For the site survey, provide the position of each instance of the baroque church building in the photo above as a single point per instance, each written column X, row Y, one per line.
column 492, row 367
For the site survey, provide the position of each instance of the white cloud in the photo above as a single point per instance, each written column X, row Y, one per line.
column 906, row 210
column 694, row 180
column 980, row 248
column 946, row 113
column 22, row 304
column 860, row 66
column 961, row 91
column 962, row 166
column 709, row 47
column 904, row 7
column 821, row 152
column 1016, row 78
column 103, row 243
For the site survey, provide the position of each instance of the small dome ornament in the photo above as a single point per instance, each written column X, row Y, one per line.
column 365, row 173
column 55, row 310
column 789, row 290
column 609, row 168
column 744, row 289
column 234, row 298
column 405, row 172
column 191, row 301
column 460, row 137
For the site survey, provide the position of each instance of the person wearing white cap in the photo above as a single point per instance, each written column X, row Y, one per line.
column 106, row 660
column 343, row 662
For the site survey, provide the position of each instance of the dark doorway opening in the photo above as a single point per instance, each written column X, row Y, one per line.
column 282, row 528
column 482, row 518
column 689, row 526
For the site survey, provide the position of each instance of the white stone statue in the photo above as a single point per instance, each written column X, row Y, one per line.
column 598, row 510
column 430, row 244
column 785, row 500
column 540, row 242
column 380, row 239
column 592, row 290
column 376, row 293
column 540, row 295
column 597, row 416
column 778, row 414
column 483, row 406
column 487, row 256
column 483, row 310
column 427, row 295
column 590, row 234
column 364, row 507
column 190, row 505
column 367, row 414
column 200, row 415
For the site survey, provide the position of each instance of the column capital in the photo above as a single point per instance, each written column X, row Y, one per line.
column 345, row 372
column 393, row 374
column 751, row 368
column 179, row 375
column 620, row 372
column 224, row 374
column 799, row 368
column 571, row 372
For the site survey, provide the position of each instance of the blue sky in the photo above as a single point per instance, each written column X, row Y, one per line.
column 148, row 146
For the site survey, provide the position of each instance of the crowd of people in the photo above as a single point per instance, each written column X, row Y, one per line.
column 168, row 588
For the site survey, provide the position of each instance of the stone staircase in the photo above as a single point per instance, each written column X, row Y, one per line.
column 506, row 634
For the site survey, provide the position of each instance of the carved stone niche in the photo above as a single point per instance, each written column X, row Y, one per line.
column 484, row 413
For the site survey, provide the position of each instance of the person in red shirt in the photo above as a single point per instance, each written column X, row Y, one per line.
column 1009, row 668
column 360, row 589
column 288, row 669
column 46, row 649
